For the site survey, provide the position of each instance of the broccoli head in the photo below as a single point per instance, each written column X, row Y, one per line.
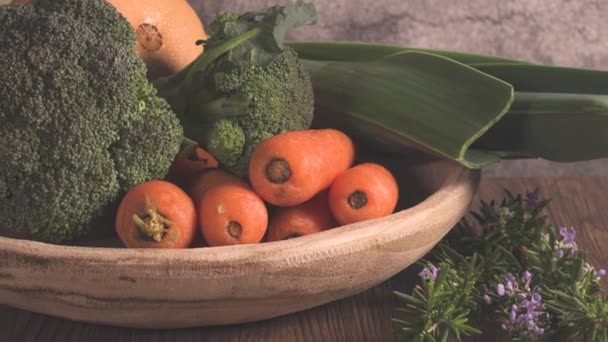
column 246, row 86
column 79, row 122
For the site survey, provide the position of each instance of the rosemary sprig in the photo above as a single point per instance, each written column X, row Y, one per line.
column 517, row 272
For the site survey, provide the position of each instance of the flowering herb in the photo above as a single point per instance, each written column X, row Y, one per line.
column 511, row 269
column 520, row 309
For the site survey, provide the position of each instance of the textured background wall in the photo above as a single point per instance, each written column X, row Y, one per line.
column 549, row 31
column 565, row 32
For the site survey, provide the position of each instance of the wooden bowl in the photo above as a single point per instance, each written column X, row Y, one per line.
column 224, row 285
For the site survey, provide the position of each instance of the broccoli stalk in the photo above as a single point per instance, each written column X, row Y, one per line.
column 246, row 86
column 177, row 89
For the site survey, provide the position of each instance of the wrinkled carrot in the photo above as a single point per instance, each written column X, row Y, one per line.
column 310, row 217
column 290, row 168
column 156, row 214
column 231, row 214
column 363, row 192
column 185, row 168
column 207, row 179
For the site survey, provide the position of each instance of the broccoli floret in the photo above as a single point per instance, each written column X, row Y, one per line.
column 217, row 26
column 79, row 122
column 279, row 98
column 246, row 86
column 226, row 138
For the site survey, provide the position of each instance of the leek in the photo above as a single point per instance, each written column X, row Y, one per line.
column 399, row 97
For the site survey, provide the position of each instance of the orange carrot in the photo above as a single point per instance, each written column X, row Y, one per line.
column 232, row 213
column 185, row 168
column 156, row 214
column 207, row 179
column 309, row 217
column 363, row 192
column 290, row 168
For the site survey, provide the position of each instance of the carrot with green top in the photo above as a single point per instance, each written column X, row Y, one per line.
column 310, row 217
column 232, row 213
column 290, row 168
column 363, row 192
column 156, row 214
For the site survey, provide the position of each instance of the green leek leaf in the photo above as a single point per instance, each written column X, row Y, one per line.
column 412, row 99
column 360, row 51
column 548, row 79
column 558, row 127
column 558, row 113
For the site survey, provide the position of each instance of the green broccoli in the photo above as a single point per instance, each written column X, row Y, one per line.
column 246, row 86
column 79, row 122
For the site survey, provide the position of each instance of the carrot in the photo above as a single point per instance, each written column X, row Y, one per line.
column 309, row 217
column 363, row 192
column 185, row 168
column 207, row 179
column 156, row 214
column 290, row 168
column 232, row 213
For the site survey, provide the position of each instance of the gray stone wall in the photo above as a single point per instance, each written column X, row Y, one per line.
column 564, row 32
column 549, row 31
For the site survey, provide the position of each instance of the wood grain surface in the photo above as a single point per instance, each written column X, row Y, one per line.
column 578, row 202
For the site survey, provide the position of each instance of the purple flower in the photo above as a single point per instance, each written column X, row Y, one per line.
column 529, row 320
column 500, row 290
column 568, row 236
column 429, row 272
column 523, row 314
column 530, row 305
column 600, row 273
column 425, row 274
column 533, row 200
column 566, row 244
column 434, row 271
column 513, row 316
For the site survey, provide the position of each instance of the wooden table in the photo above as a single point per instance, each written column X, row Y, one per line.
column 581, row 202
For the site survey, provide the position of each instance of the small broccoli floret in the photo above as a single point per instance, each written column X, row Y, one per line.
column 79, row 122
column 246, row 87
column 217, row 27
column 279, row 98
column 226, row 138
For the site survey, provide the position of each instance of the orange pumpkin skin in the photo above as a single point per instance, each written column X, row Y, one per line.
column 166, row 31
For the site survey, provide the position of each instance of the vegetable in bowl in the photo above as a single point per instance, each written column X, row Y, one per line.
column 246, row 87
column 79, row 122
